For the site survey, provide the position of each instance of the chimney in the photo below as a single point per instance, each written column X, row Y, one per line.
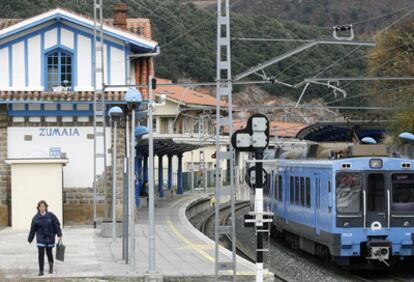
column 120, row 15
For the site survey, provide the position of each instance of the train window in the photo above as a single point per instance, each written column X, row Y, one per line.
column 308, row 192
column 302, row 191
column 292, row 190
column 280, row 188
column 348, row 192
column 403, row 192
column 297, row 190
column 376, row 192
column 275, row 188
column 329, row 191
column 318, row 196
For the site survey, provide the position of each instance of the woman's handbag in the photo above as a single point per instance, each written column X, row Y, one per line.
column 60, row 251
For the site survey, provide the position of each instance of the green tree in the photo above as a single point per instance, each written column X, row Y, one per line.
column 393, row 56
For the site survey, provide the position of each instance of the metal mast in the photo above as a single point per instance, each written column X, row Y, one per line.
column 224, row 101
column 99, row 121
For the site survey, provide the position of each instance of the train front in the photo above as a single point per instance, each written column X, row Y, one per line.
column 374, row 215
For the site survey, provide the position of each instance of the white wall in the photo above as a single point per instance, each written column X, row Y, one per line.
column 117, row 66
column 84, row 63
column 51, row 38
column 35, row 63
column 78, row 173
column 4, row 68
column 67, row 38
column 18, row 64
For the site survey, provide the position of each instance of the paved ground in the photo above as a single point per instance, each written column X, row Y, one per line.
column 181, row 250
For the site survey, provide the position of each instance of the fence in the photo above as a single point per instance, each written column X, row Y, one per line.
column 404, row 150
column 198, row 179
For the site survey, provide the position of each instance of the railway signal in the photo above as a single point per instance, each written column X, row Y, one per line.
column 255, row 138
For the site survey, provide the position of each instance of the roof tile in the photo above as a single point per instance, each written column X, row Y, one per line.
column 185, row 96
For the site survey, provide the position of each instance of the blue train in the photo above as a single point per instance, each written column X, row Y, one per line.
column 346, row 209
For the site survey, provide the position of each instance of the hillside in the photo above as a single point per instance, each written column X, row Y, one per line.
column 186, row 33
column 324, row 13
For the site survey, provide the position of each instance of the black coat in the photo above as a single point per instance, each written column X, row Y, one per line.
column 45, row 227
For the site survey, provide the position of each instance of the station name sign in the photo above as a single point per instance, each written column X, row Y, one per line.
column 58, row 132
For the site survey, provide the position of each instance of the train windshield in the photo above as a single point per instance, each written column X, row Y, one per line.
column 402, row 192
column 349, row 192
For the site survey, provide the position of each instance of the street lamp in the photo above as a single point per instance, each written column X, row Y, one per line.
column 152, row 84
column 407, row 136
column 133, row 98
column 368, row 141
column 115, row 113
column 140, row 131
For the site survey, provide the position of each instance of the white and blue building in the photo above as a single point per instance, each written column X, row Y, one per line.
column 46, row 94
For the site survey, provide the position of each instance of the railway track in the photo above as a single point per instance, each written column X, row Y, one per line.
column 207, row 227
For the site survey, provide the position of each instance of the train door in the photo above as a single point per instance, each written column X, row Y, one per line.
column 317, row 205
column 285, row 196
column 375, row 201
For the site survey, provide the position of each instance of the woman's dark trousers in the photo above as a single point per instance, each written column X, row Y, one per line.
column 42, row 257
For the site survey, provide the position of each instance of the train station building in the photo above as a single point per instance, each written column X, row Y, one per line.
column 46, row 97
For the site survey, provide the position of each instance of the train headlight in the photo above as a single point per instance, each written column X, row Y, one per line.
column 406, row 223
column 375, row 163
column 347, row 224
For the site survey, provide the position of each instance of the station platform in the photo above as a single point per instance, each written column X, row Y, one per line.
column 182, row 252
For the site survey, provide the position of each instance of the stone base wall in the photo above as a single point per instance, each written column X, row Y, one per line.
column 5, row 205
column 78, row 202
column 78, row 206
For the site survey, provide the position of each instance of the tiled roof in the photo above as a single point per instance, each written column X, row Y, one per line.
column 279, row 128
column 138, row 26
column 5, row 23
column 184, row 96
column 86, row 96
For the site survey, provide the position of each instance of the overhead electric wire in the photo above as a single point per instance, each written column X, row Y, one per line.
column 302, row 40
column 395, row 22
column 196, row 27
column 380, row 16
column 371, row 93
column 338, row 61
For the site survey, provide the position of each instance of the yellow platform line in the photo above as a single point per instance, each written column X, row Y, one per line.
column 199, row 248
column 188, row 242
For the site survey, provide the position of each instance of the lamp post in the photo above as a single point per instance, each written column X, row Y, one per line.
column 115, row 113
column 133, row 98
column 152, row 84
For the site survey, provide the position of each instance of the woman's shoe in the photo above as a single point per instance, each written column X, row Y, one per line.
column 50, row 267
column 40, row 273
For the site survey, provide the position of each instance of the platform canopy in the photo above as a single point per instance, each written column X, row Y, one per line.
column 166, row 146
column 341, row 131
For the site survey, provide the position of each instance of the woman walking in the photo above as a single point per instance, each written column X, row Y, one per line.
column 46, row 226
